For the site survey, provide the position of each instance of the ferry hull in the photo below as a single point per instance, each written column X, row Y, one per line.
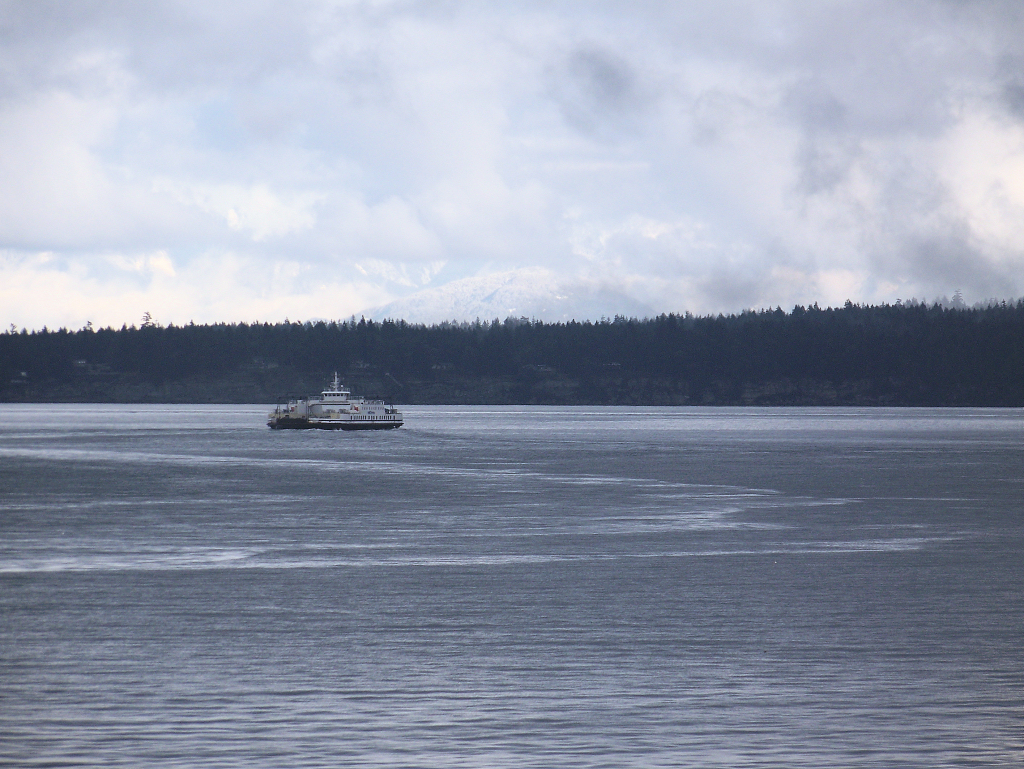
column 305, row 424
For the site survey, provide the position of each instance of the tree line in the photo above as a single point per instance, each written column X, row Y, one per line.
column 913, row 354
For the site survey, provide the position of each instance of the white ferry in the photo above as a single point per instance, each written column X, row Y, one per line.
column 335, row 409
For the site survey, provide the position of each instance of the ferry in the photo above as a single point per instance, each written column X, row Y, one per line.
column 335, row 409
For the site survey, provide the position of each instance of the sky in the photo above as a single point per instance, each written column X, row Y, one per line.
column 236, row 161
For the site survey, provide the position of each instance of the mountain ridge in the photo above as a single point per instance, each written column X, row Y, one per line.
column 533, row 292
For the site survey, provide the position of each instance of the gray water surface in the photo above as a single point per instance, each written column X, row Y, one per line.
column 512, row 587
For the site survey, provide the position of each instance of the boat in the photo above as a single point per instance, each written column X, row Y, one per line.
column 335, row 409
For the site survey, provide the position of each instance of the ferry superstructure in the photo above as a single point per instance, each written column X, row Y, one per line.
column 335, row 409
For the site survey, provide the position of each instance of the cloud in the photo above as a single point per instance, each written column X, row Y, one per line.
column 210, row 288
column 254, row 210
column 703, row 157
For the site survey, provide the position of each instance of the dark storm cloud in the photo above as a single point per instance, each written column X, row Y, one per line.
column 597, row 90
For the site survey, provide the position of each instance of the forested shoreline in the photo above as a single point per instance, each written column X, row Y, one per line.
column 890, row 355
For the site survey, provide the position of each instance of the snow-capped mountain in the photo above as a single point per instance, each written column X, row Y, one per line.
column 534, row 293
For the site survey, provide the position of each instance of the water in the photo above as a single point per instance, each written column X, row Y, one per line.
column 512, row 587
